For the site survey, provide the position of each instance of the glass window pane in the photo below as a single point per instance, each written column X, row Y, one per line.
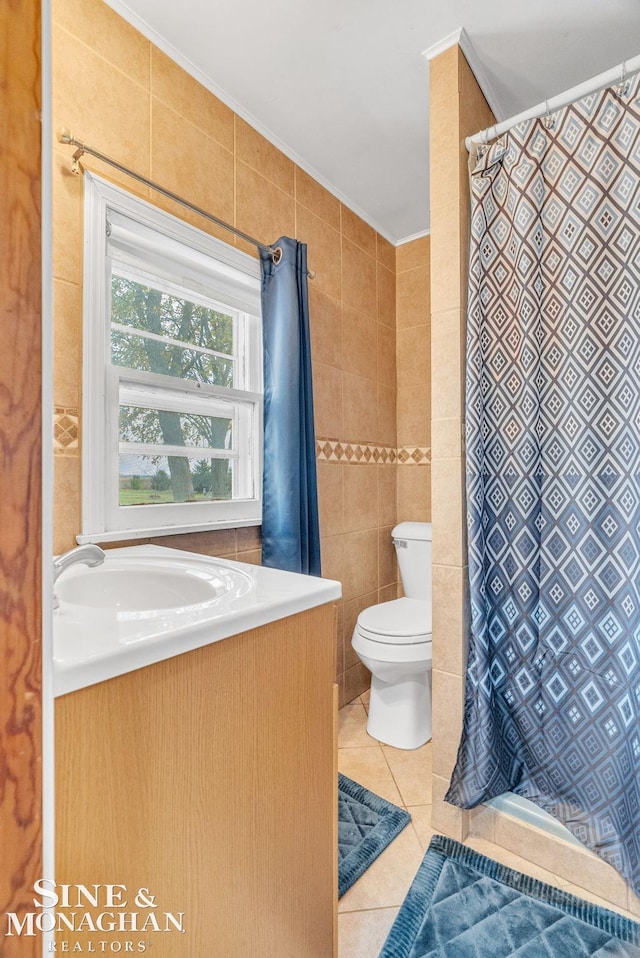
column 153, row 480
column 138, row 352
column 163, row 317
column 163, row 427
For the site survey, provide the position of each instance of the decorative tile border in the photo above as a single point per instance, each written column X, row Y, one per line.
column 414, row 455
column 65, row 430
column 335, row 450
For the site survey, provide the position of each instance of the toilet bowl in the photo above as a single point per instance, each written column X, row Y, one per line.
column 393, row 640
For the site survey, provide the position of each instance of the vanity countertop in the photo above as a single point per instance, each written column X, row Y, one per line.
column 95, row 639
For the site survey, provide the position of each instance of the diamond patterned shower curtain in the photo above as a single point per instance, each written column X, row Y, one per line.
column 553, row 474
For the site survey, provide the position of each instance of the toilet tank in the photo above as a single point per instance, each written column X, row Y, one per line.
column 413, row 549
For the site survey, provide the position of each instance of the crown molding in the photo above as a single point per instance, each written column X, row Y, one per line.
column 451, row 40
column 460, row 38
column 414, row 236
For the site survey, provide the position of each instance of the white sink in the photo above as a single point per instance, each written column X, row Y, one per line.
column 148, row 585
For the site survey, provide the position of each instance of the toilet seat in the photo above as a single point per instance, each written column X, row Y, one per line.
column 399, row 622
column 372, row 649
column 398, row 631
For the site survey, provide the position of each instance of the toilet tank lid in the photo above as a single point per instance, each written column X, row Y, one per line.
column 413, row 530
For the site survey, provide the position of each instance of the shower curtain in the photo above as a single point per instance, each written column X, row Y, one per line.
column 553, row 474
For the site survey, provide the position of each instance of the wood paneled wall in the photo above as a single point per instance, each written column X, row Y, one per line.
column 20, row 464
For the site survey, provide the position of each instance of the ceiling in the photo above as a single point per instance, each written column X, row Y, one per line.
column 342, row 87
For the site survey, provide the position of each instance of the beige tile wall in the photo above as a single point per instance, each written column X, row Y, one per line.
column 413, row 358
column 118, row 92
column 355, row 396
column 458, row 109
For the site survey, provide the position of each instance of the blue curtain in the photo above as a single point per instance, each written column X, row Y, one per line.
column 553, row 474
column 290, row 526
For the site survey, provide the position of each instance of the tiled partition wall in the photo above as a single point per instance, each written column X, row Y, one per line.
column 458, row 109
column 122, row 95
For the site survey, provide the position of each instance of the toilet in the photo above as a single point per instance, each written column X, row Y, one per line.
column 393, row 640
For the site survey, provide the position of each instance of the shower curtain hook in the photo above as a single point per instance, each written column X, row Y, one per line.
column 623, row 86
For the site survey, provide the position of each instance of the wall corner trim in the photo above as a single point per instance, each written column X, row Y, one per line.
column 461, row 38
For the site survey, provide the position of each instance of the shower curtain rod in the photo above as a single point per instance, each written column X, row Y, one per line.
column 64, row 136
column 620, row 73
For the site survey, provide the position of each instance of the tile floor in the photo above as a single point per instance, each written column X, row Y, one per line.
column 367, row 911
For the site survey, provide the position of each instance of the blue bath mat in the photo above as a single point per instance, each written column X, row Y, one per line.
column 366, row 825
column 463, row 905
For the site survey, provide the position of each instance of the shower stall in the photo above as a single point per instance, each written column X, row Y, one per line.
column 552, row 692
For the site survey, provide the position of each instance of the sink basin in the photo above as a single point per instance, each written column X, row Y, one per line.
column 133, row 586
column 104, row 588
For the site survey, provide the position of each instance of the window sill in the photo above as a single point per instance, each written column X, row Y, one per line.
column 122, row 535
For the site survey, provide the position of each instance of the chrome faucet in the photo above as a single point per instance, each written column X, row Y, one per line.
column 89, row 554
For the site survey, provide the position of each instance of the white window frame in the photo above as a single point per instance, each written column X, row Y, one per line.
column 205, row 262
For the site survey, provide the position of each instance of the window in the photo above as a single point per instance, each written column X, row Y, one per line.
column 172, row 407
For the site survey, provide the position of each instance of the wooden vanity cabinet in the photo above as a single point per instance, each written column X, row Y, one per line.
column 209, row 779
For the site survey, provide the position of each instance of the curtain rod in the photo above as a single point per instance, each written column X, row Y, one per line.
column 620, row 73
column 64, row 136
